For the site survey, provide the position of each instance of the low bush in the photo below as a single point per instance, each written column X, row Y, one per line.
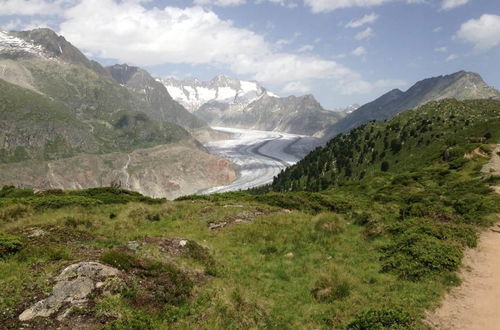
column 13, row 192
column 118, row 259
column 56, row 202
column 157, row 283
column 458, row 163
column 110, row 195
column 9, row 245
column 412, row 256
column 373, row 319
column 308, row 202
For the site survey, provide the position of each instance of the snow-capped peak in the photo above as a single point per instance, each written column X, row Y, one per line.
column 12, row 46
column 192, row 93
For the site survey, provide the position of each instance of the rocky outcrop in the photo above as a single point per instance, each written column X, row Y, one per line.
column 73, row 287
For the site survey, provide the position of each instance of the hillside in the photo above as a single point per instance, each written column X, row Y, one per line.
column 407, row 142
column 67, row 123
column 370, row 253
column 460, row 85
column 155, row 95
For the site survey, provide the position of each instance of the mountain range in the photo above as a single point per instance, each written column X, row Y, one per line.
column 67, row 122
column 226, row 101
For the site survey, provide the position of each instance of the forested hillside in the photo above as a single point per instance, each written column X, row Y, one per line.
column 440, row 130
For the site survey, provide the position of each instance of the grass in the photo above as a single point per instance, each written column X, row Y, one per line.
column 310, row 267
column 365, row 254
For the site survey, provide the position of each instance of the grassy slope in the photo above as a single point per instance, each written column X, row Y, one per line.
column 367, row 254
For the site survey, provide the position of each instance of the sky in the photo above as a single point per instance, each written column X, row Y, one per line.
column 341, row 51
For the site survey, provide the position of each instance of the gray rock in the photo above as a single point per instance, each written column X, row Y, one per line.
column 133, row 245
column 37, row 233
column 73, row 287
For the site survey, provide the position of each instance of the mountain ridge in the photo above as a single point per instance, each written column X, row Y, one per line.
column 460, row 85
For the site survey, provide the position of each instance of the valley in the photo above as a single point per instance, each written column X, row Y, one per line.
column 134, row 199
column 258, row 156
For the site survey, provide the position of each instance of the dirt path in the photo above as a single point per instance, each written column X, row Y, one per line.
column 475, row 304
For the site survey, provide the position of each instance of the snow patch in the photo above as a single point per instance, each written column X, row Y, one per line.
column 192, row 93
column 10, row 45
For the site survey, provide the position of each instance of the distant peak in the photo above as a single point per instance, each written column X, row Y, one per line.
column 395, row 91
column 122, row 73
column 123, row 66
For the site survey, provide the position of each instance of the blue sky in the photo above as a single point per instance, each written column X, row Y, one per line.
column 341, row 51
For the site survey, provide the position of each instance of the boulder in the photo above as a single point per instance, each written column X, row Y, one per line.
column 72, row 288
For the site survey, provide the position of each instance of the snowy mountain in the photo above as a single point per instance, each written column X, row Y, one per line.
column 13, row 46
column 193, row 93
column 348, row 109
column 230, row 102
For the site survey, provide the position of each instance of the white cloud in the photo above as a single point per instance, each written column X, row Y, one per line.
column 483, row 32
column 367, row 19
column 441, row 49
column 128, row 32
column 296, row 87
column 367, row 33
column 220, row 3
column 318, row 6
column 283, row 42
column 359, row 51
column 284, row 3
column 452, row 57
column 34, row 7
column 437, row 29
column 450, row 4
column 322, row 6
column 305, row 48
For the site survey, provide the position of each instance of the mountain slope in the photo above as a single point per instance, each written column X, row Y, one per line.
column 57, row 104
column 155, row 94
column 460, row 85
column 440, row 129
column 299, row 115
